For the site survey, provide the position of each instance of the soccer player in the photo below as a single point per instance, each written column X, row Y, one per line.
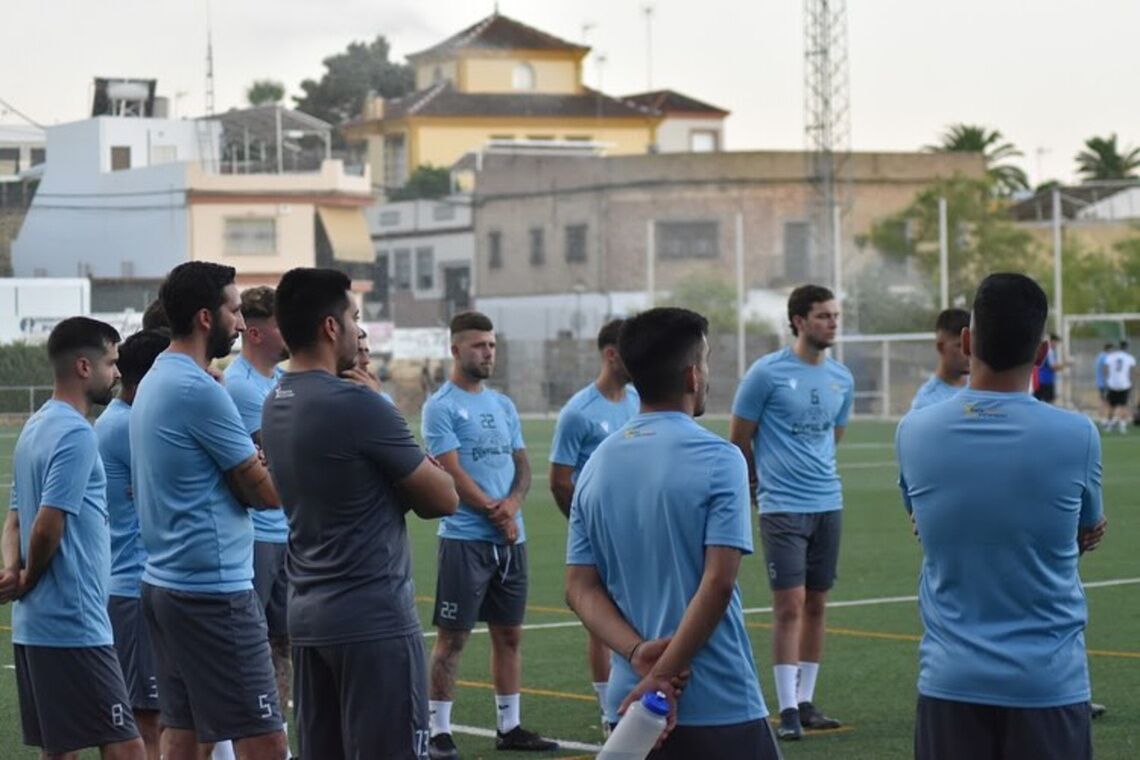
column 476, row 434
column 1006, row 494
column 1100, row 368
column 652, row 560
column 360, row 373
column 348, row 470
column 128, row 556
column 790, row 411
column 953, row 365
column 1047, row 373
column 1119, row 366
column 588, row 418
column 196, row 473
column 249, row 379
column 56, row 548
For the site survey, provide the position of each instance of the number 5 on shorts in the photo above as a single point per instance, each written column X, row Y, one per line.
column 265, row 705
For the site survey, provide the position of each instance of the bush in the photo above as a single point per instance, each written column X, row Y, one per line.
column 23, row 365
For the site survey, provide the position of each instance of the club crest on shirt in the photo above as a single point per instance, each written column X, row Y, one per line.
column 973, row 410
column 463, row 413
column 792, row 383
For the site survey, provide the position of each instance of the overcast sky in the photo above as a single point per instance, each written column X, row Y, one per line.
column 1047, row 73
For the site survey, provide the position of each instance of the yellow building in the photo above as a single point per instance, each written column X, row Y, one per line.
column 496, row 82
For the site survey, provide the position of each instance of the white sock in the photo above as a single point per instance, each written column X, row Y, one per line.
column 288, row 749
column 786, row 685
column 600, row 690
column 507, row 710
column 224, row 751
column 809, row 671
column 439, row 717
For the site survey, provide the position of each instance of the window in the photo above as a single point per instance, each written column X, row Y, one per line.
column 797, row 251
column 704, row 141
column 442, row 212
column 120, row 157
column 39, row 155
column 576, row 243
column 495, row 249
column 688, row 240
column 9, row 161
column 395, row 161
column 250, row 236
column 402, row 277
column 389, row 218
column 537, row 247
column 578, row 138
column 425, row 269
column 540, row 138
column 522, row 77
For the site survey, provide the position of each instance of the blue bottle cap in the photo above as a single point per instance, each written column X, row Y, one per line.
column 655, row 702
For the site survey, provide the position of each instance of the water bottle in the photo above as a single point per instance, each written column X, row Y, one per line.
column 638, row 730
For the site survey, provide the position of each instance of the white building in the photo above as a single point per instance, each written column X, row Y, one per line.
column 21, row 147
column 689, row 126
column 125, row 199
column 424, row 253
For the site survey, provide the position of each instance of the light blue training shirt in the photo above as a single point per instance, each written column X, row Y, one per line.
column 249, row 388
column 797, row 407
column 586, row 420
column 647, row 537
column 128, row 555
column 934, row 390
column 56, row 464
column 485, row 428
column 999, row 484
column 186, row 434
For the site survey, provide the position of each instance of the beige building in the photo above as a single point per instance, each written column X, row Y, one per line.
column 561, row 243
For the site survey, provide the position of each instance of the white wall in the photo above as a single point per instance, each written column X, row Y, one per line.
column 1122, row 205
column 673, row 133
column 419, row 224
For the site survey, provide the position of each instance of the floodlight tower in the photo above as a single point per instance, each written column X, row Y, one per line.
column 827, row 128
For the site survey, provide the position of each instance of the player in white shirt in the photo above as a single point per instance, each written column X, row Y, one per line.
column 1118, row 368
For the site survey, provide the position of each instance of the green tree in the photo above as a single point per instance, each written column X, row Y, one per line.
column 715, row 299
column 265, row 92
column 426, row 181
column 981, row 239
column 973, row 138
column 1102, row 159
column 349, row 76
column 1098, row 281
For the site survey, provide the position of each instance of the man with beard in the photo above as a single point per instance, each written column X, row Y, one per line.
column 652, row 560
column 249, row 380
column 477, row 436
column 349, row 470
column 56, row 548
column 790, row 411
column 588, row 418
column 128, row 556
column 953, row 365
column 196, row 474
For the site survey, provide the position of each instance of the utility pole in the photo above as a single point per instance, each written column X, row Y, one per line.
column 648, row 11
column 209, row 63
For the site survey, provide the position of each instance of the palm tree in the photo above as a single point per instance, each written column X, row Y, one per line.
column 1102, row 159
column 973, row 138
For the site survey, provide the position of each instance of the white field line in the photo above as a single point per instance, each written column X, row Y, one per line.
column 489, row 734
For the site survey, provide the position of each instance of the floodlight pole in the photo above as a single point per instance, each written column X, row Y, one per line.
column 741, row 297
column 943, row 255
column 277, row 126
column 837, row 252
column 650, row 255
column 1058, row 302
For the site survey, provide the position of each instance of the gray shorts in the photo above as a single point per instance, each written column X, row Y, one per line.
column 948, row 730
column 215, row 674
column 72, row 698
column 479, row 580
column 272, row 586
column 136, row 655
column 366, row 699
column 801, row 548
column 741, row 741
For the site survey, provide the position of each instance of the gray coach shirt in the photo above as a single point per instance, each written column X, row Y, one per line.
column 336, row 451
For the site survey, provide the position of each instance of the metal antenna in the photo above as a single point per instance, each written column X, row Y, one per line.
column 209, row 63
column 648, row 11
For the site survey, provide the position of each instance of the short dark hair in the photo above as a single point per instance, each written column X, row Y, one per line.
column 191, row 287
column 1123, row 345
column 1009, row 320
column 258, row 302
column 471, row 320
column 138, row 352
column 802, row 299
column 1107, row 346
column 77, row 335
column 304, row 298
column 1055, row 337
column 656, row 346
column 608, row 335
column 952, row 321
column 154, row 318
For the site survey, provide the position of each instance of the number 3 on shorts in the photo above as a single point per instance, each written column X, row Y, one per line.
column 449, row 610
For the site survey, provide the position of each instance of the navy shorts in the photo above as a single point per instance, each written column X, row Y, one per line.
column 480, row 580
column 136, row 655
column 801, row 548
column 272, row 586
column 72, row 698
column 948, row 730
column 215, row 673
